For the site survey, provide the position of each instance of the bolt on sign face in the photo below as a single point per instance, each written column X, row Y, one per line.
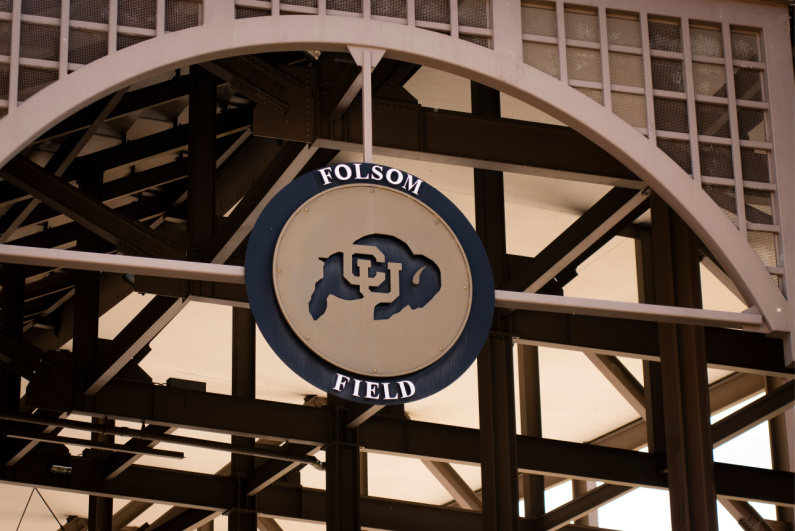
column 369, row 283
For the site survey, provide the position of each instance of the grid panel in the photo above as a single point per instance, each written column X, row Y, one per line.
column 124, row 41
column 584, row 64
column 248, row 12
column 679, row 151
column 716, row 161
column 43, row 8
column 539, row 20
column 32, row 80
column 745, row 46
column 759, row 206
column 473, row 13
column 39, row 42
column 667, row 74
column 764, row 243
column 87, row 46
column 623, row 31
column 752, row 124
column 712, row 120
column 5, row 37
column 137, row 13
column 89, row 10
column 582, row 26
column 6, row 5
column 432, row 11
column 755, row 165
column 182, row 14
column 748, row 84
column 709, row 80
column 312, row 3
column 631, row 108
column 350, row 6
column 706, row 41
column 385, row 8
column 626, row 69
column 5, row 70
column 594, row 94
column 477, row 39
column 543, row 57
column 725, row 198
column 671, row 115
column 665, row 36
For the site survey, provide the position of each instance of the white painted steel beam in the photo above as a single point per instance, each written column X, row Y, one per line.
column 513, row 300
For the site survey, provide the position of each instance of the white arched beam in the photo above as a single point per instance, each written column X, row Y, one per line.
column 224, row 37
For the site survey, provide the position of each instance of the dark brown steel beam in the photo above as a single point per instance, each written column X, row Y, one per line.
column 771, row 405
column 530, row 419
column 592, row 500
column 683, row 369
column 86, row 210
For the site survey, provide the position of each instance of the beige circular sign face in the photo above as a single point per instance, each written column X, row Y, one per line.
column 372, row 280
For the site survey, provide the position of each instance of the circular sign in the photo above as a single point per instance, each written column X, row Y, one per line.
column 369, row 283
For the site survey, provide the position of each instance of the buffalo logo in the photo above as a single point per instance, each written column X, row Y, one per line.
column 381, row 273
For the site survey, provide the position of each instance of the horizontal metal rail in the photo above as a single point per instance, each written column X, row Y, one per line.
column 159, row 267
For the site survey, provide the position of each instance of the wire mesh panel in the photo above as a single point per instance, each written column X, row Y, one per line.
column 667, row 74
column 581, row 25
column 125, row 41
column 5, row 70
column 432, row 11
column 631, row 108
column 706, row 41
column 138, row 13
column 716, row 161
column 623, row 30
column 752, row 124
column 5, row 37
column 249, row 12
column 543, row 57
column 626, row 69
column 748, row 84
column 665, row 35
column 594, row 94
column 389, row 8
column 86, row 46
column 473, row 13
column 671, row 115
column 477, row 39
column 584, row 64
column 709, row 79
column 725, row 198
column 6, row 6
column 182, row 14
column 303, row 3
column 745, row 46
column 351, row 6
column 758, row 207
column 32, row 80
column 43, row 8
column 764, row 243
column 39, row 42
column 679, row 151
column 539, row 19
column 89, row 10
column 712, row 120
column 755, row 165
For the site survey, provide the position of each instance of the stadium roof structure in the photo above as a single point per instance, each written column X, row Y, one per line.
column 628, row 166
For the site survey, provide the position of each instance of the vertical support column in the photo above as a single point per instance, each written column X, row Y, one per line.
column 13, row 303
column 495, row 362
column 683, row 365
column 367, row 59
column 201, row 160
column 781, row 441
column 342, row 471
column 580, row 488
column 86, row 326
column 506, row 17
column 652, row 378
column 244, row 516
column 530, row 418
